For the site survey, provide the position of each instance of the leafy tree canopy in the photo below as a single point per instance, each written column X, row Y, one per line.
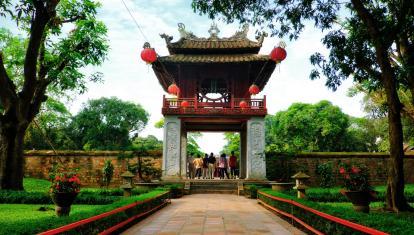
column 233, row 143
column 108, row 123
column 312, row 127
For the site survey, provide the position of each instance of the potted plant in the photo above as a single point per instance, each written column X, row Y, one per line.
column 356, row 186
column 63, row 191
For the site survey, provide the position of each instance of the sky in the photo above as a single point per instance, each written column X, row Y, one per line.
column 127, row 77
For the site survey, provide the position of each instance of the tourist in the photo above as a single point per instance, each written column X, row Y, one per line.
column 205, row 166
column 223, row 166
column 211, row 166
column 233, row 165
column 198, row 164
column 190, row 166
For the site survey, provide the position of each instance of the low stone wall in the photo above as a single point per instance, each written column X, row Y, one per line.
column 282, row 167
column 90, row 163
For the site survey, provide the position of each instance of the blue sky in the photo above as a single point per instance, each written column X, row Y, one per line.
column 128, row 78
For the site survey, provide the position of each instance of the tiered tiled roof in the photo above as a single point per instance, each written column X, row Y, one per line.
column 236, row 44
column 213, row 58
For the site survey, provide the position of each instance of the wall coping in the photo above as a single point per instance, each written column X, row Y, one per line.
column 81, row 153
column 346, row 155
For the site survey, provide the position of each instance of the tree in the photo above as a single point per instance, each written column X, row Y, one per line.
column 48, row 57
column 233, row 143
column 307, row 127
column 192, row 146
column 108, row 123
column 50, row 128
column 373, row 43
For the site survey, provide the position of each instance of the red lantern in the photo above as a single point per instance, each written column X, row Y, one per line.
column 278, row 54
column 185, row 104
column 173, row 89
column 254, row 90
column 148, row 54
column 243, row 104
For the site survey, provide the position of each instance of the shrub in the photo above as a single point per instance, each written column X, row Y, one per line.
column 355, row 177
column 326, row 174
column 399, row 223
column 108, row 172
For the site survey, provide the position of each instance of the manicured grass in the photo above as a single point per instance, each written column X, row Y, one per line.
column 25, row 219
column 394, row 223
column 36, row 185
column 12, row 213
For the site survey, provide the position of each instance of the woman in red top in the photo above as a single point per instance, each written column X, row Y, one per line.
column 233, row 165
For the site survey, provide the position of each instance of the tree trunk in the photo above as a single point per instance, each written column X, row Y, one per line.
column 11, row 155
column 395, row 199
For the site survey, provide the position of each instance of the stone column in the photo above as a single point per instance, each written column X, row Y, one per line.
column 171, row 162
column 183, row 153
column 256, row 162
column 243, row 155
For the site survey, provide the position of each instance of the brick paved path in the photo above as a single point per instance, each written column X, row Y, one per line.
column 213, row 214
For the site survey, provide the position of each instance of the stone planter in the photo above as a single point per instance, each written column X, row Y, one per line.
column 360, row 199
column 63, row 202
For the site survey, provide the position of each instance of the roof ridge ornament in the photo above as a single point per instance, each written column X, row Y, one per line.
column 184, row 33
column 214, row 31
column 242, row 34
column 260, row 37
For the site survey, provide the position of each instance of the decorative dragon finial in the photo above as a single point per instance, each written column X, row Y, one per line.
column 261, row 37
column 167, row 38
column 242, row 34
column 183, row 32
column 214, row 31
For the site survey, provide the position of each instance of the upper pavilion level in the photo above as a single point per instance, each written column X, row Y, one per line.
column 214, row 74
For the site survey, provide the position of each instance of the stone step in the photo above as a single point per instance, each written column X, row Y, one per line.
column 213, row 191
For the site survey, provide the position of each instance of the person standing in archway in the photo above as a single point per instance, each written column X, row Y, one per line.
column 205, row 166
column 198, row 164
column 233, row 165
column 211, row 165
column 223, row 166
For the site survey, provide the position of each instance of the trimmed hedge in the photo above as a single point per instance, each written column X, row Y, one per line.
column 392, row 223
column 86, row 196
column 34, row 226
column 333, row 194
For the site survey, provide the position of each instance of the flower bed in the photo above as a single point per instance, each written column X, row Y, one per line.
column 329, row 219
column 110, row 215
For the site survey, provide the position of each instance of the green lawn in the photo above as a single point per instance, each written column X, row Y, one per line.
column 36, row 185
column 26, row 219
column 12, row 213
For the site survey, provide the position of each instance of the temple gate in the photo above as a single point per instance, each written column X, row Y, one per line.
column 213, row 76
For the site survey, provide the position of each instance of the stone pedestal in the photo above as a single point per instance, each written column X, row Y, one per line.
column 256, row 161
column 171, row 162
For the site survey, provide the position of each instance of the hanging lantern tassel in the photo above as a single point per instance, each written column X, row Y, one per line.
column 254, row 89
column 148, row 54
column 279, row 53
column 173, row 89
column 243, row 104
column 184, row 104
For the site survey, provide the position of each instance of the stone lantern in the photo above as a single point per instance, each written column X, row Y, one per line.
column 300, row 186
column 127, row 186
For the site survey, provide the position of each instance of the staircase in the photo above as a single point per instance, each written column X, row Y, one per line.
column 213, row 186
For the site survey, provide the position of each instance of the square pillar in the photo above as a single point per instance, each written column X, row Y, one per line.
column 171, row 160
column 256, row 162
column 243, row 155
column 183, row 153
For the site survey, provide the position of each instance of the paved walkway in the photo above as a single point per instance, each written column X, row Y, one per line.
column 213, row 214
